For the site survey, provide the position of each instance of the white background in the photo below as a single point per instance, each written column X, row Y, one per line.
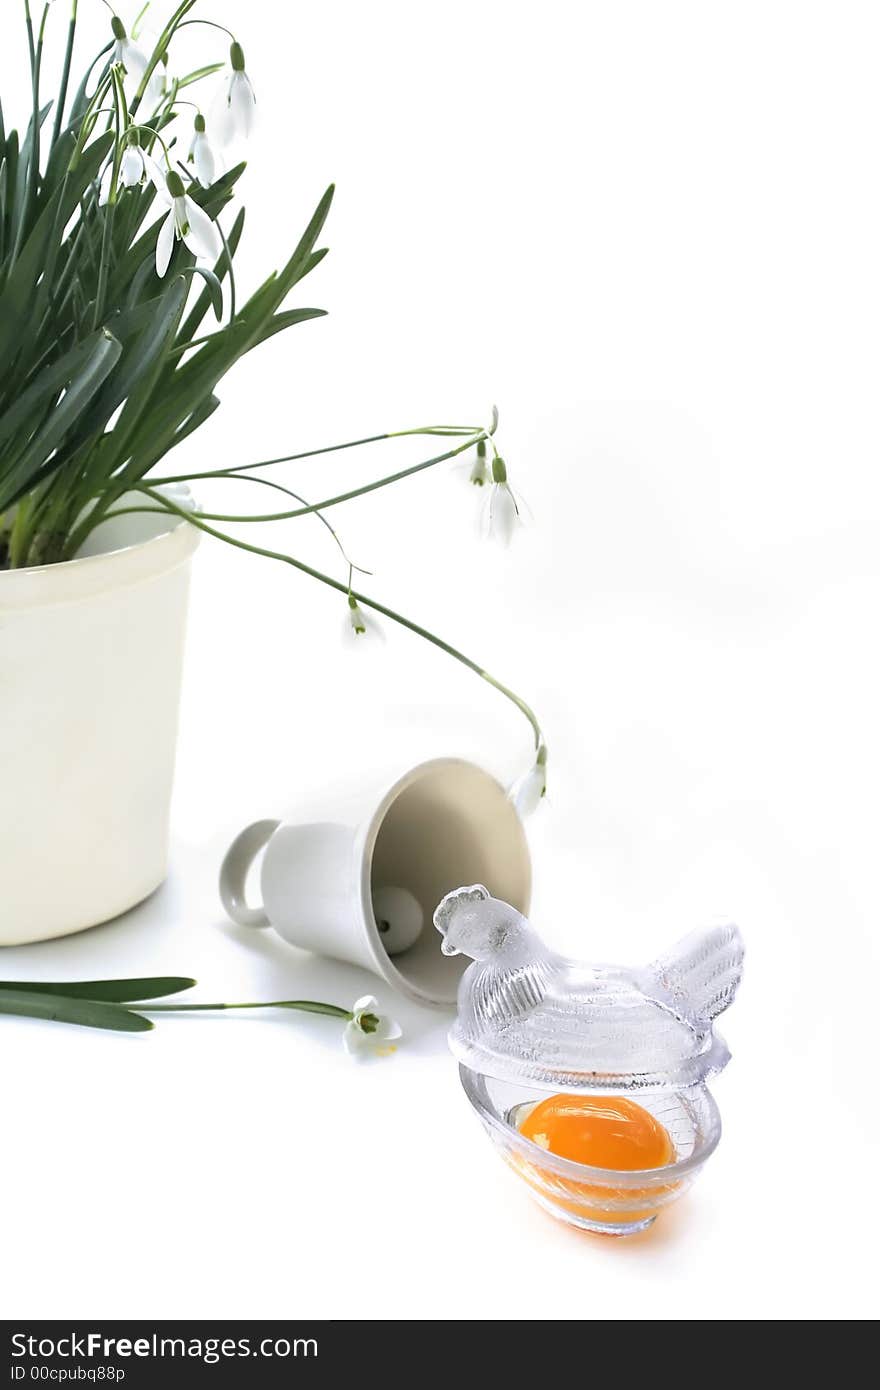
column 650, row 233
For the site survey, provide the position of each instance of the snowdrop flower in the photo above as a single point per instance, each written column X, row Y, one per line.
column 504, row 509
column 126, row 52
column 236, row 105
column 368, row 1030
column 479, row 472
column 201, row 154
column 186, row 222
column 528, row 791
column 136, row 166
column 358, row 625
column 356, row 617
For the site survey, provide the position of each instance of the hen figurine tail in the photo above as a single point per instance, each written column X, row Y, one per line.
column 702, row 972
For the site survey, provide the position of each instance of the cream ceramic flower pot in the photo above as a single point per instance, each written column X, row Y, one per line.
column 90, row 664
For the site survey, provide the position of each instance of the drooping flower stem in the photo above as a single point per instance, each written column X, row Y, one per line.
column 443, row 430
column 342, row 496
column 195, row 519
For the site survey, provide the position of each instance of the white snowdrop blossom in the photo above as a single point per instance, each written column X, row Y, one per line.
column 186, row 222
column 126, row 52
column 529, row 790
column 357, row 621
column 479, row 472
column 201, row 154
column 504, row 514
column 136, row 166
column 236, row 105
column 368, row 1031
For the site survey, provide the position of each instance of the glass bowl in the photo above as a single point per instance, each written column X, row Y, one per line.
column 601, row 1200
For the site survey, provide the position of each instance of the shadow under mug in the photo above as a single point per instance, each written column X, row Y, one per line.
column 442, row 824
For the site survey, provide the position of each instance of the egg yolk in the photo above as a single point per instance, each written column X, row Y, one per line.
column 602, row 1131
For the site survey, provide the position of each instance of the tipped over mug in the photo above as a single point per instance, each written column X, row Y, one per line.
column 361, row 884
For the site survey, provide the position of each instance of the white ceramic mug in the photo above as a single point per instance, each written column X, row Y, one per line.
column 363, row 885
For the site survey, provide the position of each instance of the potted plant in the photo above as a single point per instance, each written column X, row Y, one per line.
column 119, row 316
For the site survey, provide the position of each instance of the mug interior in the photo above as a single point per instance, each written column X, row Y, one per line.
column 445, row 825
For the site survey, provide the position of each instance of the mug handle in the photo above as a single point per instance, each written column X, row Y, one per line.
column 234, row 871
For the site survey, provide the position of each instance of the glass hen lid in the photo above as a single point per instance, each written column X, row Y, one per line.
column 527, row 1014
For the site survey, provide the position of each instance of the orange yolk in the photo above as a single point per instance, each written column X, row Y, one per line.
column 602, row 1131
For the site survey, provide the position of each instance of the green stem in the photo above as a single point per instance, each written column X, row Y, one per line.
column 279, row 487
column 268, row 463
column 306, row 1006
column 314, row 453
column 350, row 495
column 211, row 24
column 110, row 209
column 168, row 505
column 65, row 74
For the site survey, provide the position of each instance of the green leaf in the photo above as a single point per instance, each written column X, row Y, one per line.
column 160, row 445
column 198, row 74
column 144, row 332
column 143, row 364
column 26, row 148
column 179, row 391
column 26, row 272
column 287, row 318
column 116, row 991
column 81, row 99
column 101, row 361
column 43, row 388
column 88, row 1013
column 221, row 269
column 215, row 290
column 212, row 199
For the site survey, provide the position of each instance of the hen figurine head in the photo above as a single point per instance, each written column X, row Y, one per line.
column 473, row 923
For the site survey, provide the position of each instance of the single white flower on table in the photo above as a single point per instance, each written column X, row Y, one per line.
column 528, row 791
column 201, row 153
column 236, row 106
column 369, row 1031
column 129, row 55
column 505, row 509
column 186, row 222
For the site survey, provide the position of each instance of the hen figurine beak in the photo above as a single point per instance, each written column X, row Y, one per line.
column 447, row 949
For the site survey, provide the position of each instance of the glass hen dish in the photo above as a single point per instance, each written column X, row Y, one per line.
column 533, row 1024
